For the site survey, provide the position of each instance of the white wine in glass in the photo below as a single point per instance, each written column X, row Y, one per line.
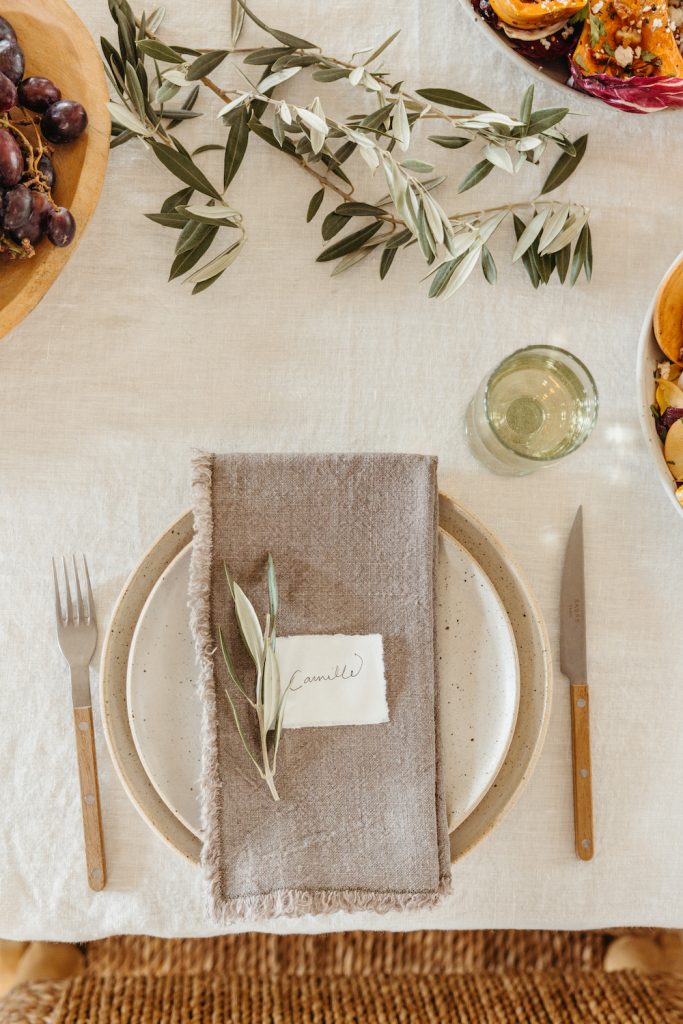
column 537, row 406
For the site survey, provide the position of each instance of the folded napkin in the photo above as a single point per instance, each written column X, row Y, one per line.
column 361, row 824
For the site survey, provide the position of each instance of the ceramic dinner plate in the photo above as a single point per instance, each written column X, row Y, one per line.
column 478, row 674
column 534, row 695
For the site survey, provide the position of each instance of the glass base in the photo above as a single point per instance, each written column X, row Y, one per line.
column 494, row 456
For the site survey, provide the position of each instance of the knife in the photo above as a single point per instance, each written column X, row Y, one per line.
column 573, row 665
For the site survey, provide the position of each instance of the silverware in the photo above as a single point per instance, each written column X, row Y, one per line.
column 77, row 635
column 573, row 664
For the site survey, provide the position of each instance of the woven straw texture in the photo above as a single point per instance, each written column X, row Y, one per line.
column 357, row 978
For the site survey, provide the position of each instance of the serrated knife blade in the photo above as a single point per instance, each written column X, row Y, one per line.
column 573, row 662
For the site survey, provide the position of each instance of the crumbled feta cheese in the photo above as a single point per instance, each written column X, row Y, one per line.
column 657, row 23
column 676, row 16
column 596, row 8
column 545, row 43
column 638, row 51
column 663, row 370
column 623, row 55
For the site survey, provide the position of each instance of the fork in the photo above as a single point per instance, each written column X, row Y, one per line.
column 77, row 635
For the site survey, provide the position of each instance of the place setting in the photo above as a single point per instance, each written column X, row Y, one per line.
column 317, row 621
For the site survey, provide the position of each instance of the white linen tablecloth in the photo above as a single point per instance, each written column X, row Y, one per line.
column 107, row 386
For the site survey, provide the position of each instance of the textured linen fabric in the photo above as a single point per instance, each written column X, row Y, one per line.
column 107, row 386
column 361, row 823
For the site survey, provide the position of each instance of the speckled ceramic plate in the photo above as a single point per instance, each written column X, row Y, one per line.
column 478, row 672
column 534, row 697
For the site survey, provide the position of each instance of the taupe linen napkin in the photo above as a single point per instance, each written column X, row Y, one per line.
column 361, row 824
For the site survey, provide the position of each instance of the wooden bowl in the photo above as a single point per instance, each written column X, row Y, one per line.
column 57, row 45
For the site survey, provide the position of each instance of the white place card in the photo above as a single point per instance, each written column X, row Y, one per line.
column 335, row 680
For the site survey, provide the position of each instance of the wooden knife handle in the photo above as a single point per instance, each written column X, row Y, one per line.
column 90, row 798
column 583, row 773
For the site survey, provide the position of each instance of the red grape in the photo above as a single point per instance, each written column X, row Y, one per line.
column 47, row 170
column 38, row 93
column 6, row 31
column 11, row 159
column 11, row 60
column 17, row 207
column 42, row 207
column 8, row 94
column 31, row 231
column 64, row 121
column 61, row 227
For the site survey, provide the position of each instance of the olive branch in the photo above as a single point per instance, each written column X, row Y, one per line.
column 268, row 701
column 148, row 75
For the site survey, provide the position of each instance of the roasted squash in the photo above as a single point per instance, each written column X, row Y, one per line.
column 628, row 38
column 529, row 14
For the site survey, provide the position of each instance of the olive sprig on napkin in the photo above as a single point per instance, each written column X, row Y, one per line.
column 267, row 703
column 148, row 75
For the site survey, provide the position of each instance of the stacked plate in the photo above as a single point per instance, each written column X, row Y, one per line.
column 494, row 675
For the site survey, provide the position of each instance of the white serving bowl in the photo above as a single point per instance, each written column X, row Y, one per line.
column 649, row 355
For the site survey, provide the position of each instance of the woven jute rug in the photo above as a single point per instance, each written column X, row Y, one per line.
column 351, row 978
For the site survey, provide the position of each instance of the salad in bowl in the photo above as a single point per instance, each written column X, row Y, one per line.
column 660, row 364
column 627, row 53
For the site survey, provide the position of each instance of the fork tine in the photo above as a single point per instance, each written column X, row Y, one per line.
column 69, row 605
column 91, row 599
column 58, row 604
column 79, row 596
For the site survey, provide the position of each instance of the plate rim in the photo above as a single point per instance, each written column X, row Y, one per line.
column 463, row 844
column 185, row 842
column 131, row 649
column 473, row 566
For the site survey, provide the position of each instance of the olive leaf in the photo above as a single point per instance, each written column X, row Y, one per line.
column 205, row 64
column 348, row 244
column 236, row 21
column 315, row 204
column 386, row 259
column 359, row 210
column 449, row 98
column 186, row 260
column 236, row 146
column 332, row 224
column 541, row 120
column 450, row 141
column 475, row 175
column 488, row 265
column 183, row 167
column 159, row 51
column 283, row 37
column 565, row 166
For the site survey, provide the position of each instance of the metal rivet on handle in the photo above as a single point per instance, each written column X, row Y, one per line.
column 90, row 799
column 581, row 702
column 586, row 844
column 584, row 773
column 96, row 874
column 83, row 726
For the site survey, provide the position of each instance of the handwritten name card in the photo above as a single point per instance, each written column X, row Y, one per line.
column 335, row 680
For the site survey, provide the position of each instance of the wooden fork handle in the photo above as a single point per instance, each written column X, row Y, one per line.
column 90, row 798
column 583, row 772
